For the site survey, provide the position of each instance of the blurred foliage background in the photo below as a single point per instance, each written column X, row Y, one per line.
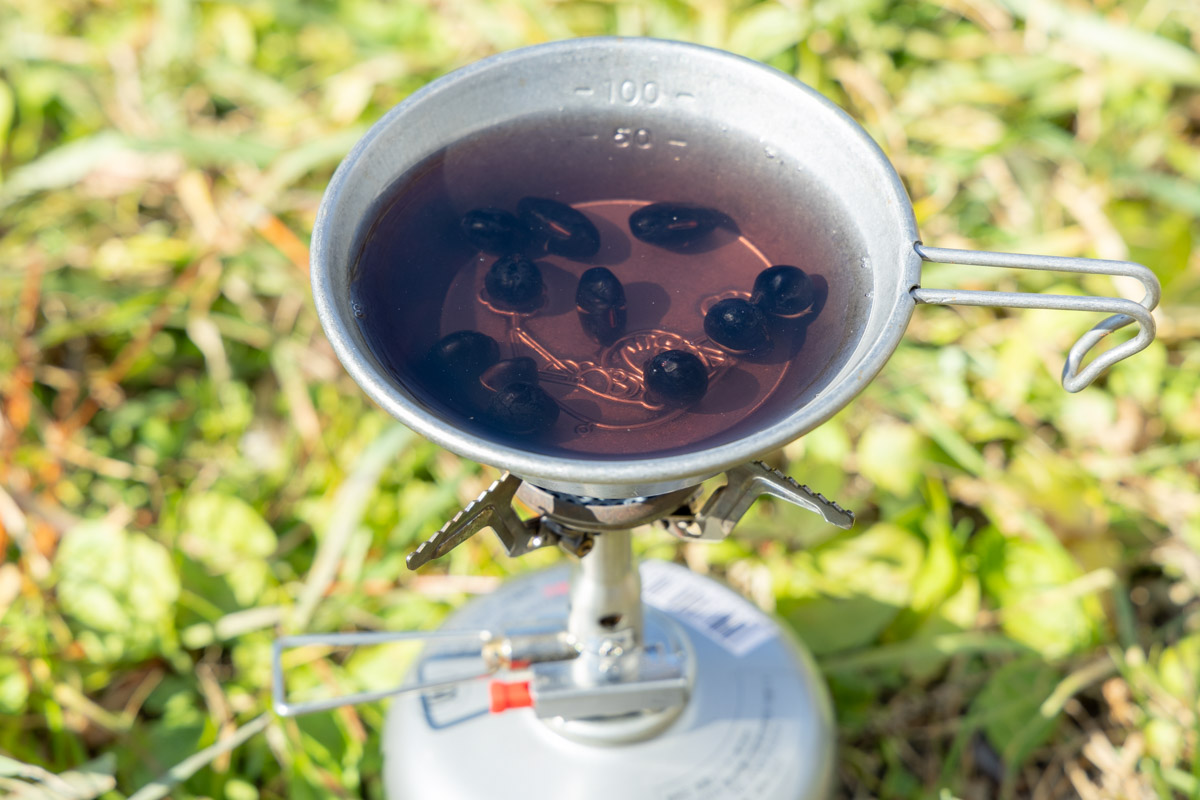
column 187, row 471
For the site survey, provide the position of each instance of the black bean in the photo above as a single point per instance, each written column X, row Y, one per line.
column 600, row 301
column 738, row 326
column 509, row 371
column 459, row 358
column 783, row 291
column 515, row 283
column 522, row 409
column 599, row 290
column 675, row 378
column 673, row 224
column 495, row 231
column 559, row 228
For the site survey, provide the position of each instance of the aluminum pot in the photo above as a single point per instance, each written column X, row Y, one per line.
column 667, row 100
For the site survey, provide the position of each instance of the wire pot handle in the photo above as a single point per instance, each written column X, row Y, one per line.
column 1124, row 311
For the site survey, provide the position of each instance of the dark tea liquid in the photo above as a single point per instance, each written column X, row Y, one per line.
column 418, row 278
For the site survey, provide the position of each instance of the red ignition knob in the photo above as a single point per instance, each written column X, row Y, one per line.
column 510, row 695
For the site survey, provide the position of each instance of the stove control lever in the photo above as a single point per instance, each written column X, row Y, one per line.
column 484, row 652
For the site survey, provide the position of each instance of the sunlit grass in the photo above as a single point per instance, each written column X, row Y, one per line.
column 185, row 470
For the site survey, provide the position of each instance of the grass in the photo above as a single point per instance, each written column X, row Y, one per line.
column 186, row 471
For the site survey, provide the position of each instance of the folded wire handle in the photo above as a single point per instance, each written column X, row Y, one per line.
column 477, row 639
column 1124, row 311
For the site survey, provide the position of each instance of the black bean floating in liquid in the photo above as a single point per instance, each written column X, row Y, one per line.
column 523, row 409
column 600, row 301
column 738, row 326
column 675, row 378
column 459, row 358
column 562, row 230
column 673, row 224
column 495, row 231
column 514, row 283
column 783, row 291
column 504, row 373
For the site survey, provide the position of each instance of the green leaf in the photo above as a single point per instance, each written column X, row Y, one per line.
column 1165, row 740
column 14, row 688
column 1017, row 574
column 832, row 624
column 828, row 444
column 382, row 666
column 1163, row 242
column 1141, row 378
column 768, row 29
column 170, row 740
column 237, row 789
column 1009, row 705
column 882, row 562
column 940, row 574
column 1179, row 669
column 120, row 588
column 890, row 456
column 7, row 108
column 956, row 614
column 845, row 593
column 229, row 537
column 1059, row 487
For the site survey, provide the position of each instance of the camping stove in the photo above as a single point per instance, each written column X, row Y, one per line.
column 604, row 678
